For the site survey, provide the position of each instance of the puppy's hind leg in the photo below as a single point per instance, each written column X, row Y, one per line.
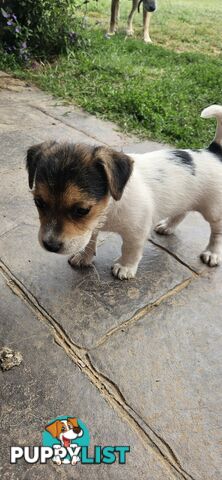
column 212, row 256
column 168, row 225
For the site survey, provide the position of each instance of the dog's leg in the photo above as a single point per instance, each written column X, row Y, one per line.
column 84, row 259
column 57, row 460
column 75, row 458
column 130, row 30
column 212, row 256
column 114, row 17
column 146, row 26
column 168, row 225
column 132, row 251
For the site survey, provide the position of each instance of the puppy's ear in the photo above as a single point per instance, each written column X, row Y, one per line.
column 32, row 159
column 117, row 167
column 74, row 423
column 53, row 428
column 34, row 154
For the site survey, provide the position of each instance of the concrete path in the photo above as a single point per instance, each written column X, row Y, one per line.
column 138, row 362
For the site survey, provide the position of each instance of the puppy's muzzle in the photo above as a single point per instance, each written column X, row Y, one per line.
column 52, row 245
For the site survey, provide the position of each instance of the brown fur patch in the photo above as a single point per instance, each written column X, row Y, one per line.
column 85, row 152
column 42, row 191
column 73, row 228
column 74, row 195
column 72, row 421
column 55, row 428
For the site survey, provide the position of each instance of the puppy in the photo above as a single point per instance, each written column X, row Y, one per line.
column 80, row 190
column 65, row 431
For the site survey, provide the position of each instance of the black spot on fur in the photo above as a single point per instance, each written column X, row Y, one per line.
column 185, row 158
column 216, row 149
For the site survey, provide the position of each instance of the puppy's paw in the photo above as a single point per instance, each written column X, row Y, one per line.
column 80, row 261
column 75, row 460
column 164, row 228
column 210, row 258
column 123, row 273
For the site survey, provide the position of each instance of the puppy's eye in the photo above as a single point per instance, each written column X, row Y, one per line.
column 40, row 203
column 78, row 212
column 63, row 429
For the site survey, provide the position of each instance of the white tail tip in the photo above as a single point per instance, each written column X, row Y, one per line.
column 212, row 111
column 215, row 111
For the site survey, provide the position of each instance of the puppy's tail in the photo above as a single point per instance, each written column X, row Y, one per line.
column 215, row 111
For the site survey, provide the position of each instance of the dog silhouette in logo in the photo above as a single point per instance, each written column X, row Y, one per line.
column 65, row 431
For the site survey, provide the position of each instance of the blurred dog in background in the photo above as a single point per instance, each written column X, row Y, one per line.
column 149, row 6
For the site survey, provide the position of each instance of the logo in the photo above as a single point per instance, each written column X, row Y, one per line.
column 65, row 440
column 66, row 435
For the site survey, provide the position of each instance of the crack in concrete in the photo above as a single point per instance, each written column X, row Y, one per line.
column 8, row 230
column 174, row 255
column 19, row 289
column 143, row 311
column 108, row 389
column 18, row 225
column 130, row 409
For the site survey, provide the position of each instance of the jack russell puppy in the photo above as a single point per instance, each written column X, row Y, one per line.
column 80, row 190
column 66, row 431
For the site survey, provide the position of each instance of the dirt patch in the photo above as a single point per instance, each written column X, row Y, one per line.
column 10, row 83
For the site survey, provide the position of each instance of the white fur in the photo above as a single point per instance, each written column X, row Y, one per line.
column 160, row 191
column 69, row 434
column 214, row 111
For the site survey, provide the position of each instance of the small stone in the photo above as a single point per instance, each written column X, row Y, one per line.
column 9, row 358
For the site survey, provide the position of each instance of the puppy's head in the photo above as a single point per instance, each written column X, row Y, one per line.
column 65, row 430
column 72, row 185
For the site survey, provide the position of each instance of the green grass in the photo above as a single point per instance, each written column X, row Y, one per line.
column 157, row 91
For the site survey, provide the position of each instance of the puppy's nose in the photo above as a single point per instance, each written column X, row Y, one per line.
column 52, row 245
column 152, row 8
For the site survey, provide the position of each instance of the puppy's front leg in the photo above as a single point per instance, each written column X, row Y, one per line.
column 132, row 251
column 84, row 259
column 212, row 255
